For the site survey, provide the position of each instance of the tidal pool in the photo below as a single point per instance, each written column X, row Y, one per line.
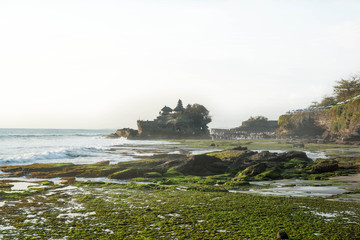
column 302, row 191
column 296, row 188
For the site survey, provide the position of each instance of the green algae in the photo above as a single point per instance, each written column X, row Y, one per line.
column 130, row 211
column 263, row 144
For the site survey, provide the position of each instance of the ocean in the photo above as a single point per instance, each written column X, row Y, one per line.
column 78, row 146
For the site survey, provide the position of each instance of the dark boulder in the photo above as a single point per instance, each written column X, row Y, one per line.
column 326, row 166
column 286, row 156
column 296, row 154
column 202, row 165
column 253, row 170
column 264, row 156
column 240, row 148
column 282, row 235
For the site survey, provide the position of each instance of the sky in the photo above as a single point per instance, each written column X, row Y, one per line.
column 109, row 63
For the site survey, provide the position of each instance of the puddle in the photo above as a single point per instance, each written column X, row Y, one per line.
column 22, row 186
column 25, row 179
column 67, row 188
column 302, row 191
column 108, row 180
column 300, row 188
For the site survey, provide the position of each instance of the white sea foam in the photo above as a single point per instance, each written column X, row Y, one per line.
column 27, row 146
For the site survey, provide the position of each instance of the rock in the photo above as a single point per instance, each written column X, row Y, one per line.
column 325, row 166
column 202, row 165
column 68, row 180
column 240, row 148
column 128, row 173
column 282, row 235
column 103, row 163
column 264, row 156
column 254, row 170
column 126, row 132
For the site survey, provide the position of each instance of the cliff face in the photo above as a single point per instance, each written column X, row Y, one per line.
column 337, row 124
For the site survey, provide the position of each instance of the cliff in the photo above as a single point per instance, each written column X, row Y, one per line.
column 340, row 123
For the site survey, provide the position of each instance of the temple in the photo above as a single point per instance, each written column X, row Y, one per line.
column 180, row 122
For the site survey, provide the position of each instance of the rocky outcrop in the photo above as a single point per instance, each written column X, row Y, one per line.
column 241, row 164
column 202, row 165
column 126, row 133
column 341, row 123
column 190, row 122
column 325, row 166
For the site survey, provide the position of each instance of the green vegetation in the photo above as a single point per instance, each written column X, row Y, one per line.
column 345, row 116
column 135, row 211
column 346, row 89
column 177, row 205
column 263, row 144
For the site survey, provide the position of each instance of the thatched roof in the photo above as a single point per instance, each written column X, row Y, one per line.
column 166, row 109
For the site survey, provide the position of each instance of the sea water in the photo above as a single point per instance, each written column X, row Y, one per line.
column 78, row 146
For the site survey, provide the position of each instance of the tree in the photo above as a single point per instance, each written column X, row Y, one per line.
column 327, row 101
column 258, row 119
column 198, row 114
column 179, row 107
column 346, row 89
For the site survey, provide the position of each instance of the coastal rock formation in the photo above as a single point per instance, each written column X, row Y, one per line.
column 340, row 123
column 180, row 122
column 243, row 165
column 202, row 165
column 126, row 132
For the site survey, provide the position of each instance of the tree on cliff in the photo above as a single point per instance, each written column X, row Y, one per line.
column 346, row 89
column 258, row 119
column 198, row 114
column 326, row 101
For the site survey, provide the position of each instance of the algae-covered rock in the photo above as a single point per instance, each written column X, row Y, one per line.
column 127, row 173
column 153, row 175
column 253, row 170
column 103, row 163
column 202, row 165
column 325, row 166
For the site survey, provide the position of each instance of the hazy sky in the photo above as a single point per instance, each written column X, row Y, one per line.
column 108, row 63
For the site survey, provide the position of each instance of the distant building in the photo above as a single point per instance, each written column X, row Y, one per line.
column 254, row 128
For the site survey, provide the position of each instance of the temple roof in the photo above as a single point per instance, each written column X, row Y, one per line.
column 166, row 109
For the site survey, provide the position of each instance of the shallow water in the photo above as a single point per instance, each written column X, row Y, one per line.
column 302, row 191
column 301, row 188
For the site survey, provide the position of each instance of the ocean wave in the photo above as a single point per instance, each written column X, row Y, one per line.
column 16, row 136
column 47, row 156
